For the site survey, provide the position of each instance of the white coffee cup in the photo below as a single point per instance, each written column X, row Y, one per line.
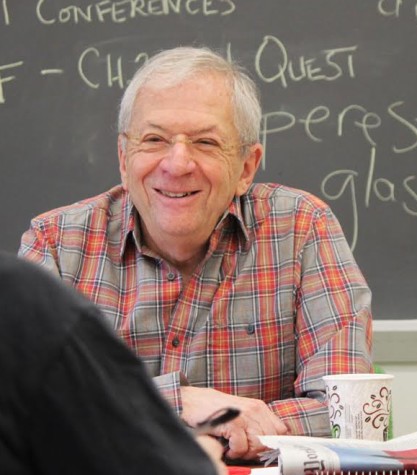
column 359, row 405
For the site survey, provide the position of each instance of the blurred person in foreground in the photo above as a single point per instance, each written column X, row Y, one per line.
column 74, row 399
column 232, row 292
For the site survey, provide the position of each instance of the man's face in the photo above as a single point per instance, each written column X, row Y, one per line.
column 182, row 163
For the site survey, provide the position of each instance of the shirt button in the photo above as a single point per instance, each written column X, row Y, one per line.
column 170, row 276
column 175, row 341
column 250, row 329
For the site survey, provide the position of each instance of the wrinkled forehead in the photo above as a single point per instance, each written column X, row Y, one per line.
column 209, row 92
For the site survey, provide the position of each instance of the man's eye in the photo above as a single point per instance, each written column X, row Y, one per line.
column 208, row 142
column 153, row 139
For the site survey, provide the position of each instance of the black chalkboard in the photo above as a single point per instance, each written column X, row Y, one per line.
column 339, row 85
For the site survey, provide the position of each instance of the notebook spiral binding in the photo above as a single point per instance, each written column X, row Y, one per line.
column 364, row 472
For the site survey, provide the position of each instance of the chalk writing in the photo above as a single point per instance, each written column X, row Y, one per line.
column 4, row 79
column 5, row 12
column 45, row 72
column 390, row 8
column 393, row 8
column 382, row 188
column 90, row 68
column 412, row 192
column 123, row 10
column 412, row 129
column 349, row 182
column 331, row 70
column 362, row 119
column 366, row 122
column 334, row 64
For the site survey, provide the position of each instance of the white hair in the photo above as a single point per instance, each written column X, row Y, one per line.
column 168, row 68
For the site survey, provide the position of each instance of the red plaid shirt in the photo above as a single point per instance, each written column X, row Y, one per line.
column 277, row 303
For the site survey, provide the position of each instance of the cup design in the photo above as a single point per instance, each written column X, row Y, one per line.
column 372, row 416
column 335, row 410
column 378, row 410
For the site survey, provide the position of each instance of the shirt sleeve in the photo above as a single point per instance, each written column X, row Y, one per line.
column 169, row 386
column 37, row 247
column 333, row 321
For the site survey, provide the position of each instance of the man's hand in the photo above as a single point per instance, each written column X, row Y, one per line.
column 255, row 419
column 214, row 450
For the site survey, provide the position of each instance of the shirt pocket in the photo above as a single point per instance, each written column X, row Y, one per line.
column 251, row 353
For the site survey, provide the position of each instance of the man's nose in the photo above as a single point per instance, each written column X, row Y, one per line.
column 179, row 158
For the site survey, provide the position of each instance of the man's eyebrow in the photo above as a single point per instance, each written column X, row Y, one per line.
column 153, row 126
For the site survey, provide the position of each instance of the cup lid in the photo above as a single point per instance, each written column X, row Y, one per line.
column 357, row 376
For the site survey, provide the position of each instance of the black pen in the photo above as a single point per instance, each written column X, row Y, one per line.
column 219, row 417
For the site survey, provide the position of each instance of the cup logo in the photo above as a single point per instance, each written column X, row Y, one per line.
column 335, row 410
column 374, row 413
column 378, row 410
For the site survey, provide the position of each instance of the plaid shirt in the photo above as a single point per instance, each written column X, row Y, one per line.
column 277, row 303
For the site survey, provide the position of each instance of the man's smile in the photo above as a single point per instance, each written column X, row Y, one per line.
column 171, row 194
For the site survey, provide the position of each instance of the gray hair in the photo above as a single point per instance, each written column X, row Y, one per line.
column 168, row 68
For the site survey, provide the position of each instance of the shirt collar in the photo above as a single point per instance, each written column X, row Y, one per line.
column 234, row 216
column 128, row 222
column 247, row 213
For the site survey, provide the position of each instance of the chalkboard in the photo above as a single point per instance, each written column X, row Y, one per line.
column 338, row 80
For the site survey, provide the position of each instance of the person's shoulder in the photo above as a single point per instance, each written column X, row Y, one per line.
column 36, row 305
column 282, row 197
column 13, row 267
column 39, row 315
column 31, row 288
column 109, row 202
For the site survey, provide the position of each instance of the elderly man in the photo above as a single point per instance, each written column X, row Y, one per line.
column 233, row 293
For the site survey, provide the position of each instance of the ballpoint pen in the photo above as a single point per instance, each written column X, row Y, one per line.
column 219, row 417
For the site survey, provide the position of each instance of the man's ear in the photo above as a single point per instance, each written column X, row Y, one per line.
column 121, row 150
column 250, row 167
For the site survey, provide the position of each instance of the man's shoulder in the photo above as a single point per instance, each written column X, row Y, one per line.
column 285, row 198
column 109, row 203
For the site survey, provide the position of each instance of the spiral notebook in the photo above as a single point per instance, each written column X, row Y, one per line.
column 378, row 472
column 318, row 456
